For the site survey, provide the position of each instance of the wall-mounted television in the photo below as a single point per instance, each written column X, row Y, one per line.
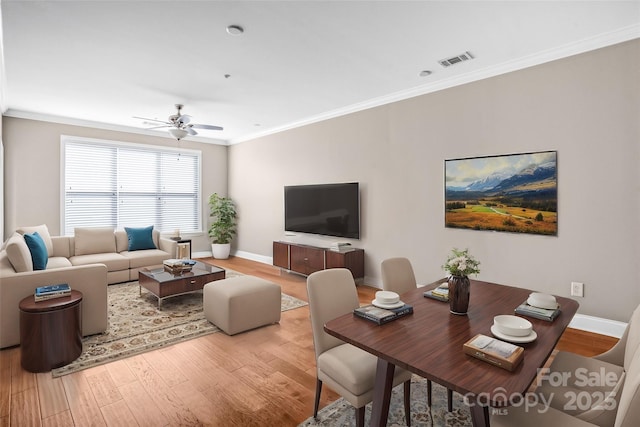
column 326, row 209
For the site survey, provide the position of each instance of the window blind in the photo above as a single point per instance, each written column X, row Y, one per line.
column 112, row 184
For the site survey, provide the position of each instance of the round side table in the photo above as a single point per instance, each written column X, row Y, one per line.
column 50, row 332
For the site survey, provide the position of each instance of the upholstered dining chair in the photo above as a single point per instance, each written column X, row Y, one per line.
column 603, row 390
column 348, row 370
column 398, row 277
column 612, row 367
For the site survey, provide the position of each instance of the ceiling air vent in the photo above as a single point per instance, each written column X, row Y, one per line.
column 456, row 59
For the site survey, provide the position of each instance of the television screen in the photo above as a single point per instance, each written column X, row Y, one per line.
column 327, row 209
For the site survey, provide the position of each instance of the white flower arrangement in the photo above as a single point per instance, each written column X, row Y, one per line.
column 461, row 263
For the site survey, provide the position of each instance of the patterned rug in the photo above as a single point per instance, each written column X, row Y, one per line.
column 341, row 414
column 136, row 325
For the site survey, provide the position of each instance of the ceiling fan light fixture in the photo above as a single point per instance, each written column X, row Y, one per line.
column 178, row 133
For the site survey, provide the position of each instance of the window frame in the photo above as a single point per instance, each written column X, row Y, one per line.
column 65, row 139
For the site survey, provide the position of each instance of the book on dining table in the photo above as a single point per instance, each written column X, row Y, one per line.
column 382, row 315
column 492, row 350
column 441, row 293
column 547, row 314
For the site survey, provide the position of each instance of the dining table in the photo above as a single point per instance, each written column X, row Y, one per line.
column 429, row 343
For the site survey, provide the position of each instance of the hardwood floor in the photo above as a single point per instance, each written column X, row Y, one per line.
column 264, row 377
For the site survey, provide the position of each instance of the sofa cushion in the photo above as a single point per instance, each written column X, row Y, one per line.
column 43, row 231
column 138, row 259
column 113, row 261
column 58, row 262
column 38, row 250
column 18, row 253
column 94, row 241
column 140, row 238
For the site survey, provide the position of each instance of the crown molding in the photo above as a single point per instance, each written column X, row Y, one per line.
column 592, row 43
column 30, row 115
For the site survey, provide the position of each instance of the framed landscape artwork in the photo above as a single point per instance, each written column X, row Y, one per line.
column 515, row 193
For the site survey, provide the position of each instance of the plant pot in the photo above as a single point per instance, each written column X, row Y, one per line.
column 220, row 250
column 459, row 289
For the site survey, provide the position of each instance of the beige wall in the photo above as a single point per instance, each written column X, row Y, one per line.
column 586, row 107
column 32, row 171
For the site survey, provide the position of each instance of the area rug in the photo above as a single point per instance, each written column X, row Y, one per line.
column 341, row 414
column 137, row 325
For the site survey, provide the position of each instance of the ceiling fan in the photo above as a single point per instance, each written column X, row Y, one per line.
column 179, row 124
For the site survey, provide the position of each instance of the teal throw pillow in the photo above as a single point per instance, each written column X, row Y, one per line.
column 140, row 238
column 38, row 250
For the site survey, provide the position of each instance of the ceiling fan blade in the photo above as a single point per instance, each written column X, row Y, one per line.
column 184, row 119
column 209, row 127
column 156, row 123
column 151, row 120
column 190, row 131
column 160, row 127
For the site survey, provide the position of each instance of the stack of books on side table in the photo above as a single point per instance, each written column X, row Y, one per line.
column 503, row 354
column 43, row 293
column 547, row 314
column 441, row 293
column 382, row 315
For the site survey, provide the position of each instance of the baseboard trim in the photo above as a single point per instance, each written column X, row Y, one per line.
column 254, row 257
column 597, row 325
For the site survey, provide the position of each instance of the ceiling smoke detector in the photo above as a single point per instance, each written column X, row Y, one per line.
column 456, row 59
column 235, row 30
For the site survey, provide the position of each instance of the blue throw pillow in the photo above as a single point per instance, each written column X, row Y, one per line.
column 38, row 250
column 140, row 238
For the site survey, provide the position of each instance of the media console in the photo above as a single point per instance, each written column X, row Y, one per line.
column 306, row 259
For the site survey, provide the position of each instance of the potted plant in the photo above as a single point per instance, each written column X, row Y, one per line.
column 223, row 225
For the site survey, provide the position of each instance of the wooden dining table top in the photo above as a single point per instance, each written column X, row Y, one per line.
column 430, row 341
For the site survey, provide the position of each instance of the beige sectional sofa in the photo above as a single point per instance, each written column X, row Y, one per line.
column 87, row 261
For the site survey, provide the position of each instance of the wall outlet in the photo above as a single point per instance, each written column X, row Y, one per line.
column 577, row 289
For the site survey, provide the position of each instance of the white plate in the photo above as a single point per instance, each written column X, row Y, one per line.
column 381, row 305
column 529, row 338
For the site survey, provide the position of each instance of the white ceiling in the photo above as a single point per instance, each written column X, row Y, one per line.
column 99, row 63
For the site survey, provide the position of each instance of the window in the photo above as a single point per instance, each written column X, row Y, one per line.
column 116, row 184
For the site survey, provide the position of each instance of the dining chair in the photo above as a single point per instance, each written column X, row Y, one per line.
column 398, row 277
column 610, row 403
column 580, row 377
column 348, row 370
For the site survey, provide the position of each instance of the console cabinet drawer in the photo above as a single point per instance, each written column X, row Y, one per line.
column 306, row 260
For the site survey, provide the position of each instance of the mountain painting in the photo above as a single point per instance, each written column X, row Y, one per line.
column 515, row 193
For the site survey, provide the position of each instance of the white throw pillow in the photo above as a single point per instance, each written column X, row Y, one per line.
column 19, row 254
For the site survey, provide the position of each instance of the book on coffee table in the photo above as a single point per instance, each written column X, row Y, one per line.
column 382, row 315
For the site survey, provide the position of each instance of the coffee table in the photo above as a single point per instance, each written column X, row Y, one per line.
column 164, row 284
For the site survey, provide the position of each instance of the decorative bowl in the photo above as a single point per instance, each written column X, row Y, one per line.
column 513, row 325
column 387, row 297
column 537, row 299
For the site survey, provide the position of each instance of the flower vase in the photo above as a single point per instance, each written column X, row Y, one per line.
column 459, row 287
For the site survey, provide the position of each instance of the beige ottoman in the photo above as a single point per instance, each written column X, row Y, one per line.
column 241, row 303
